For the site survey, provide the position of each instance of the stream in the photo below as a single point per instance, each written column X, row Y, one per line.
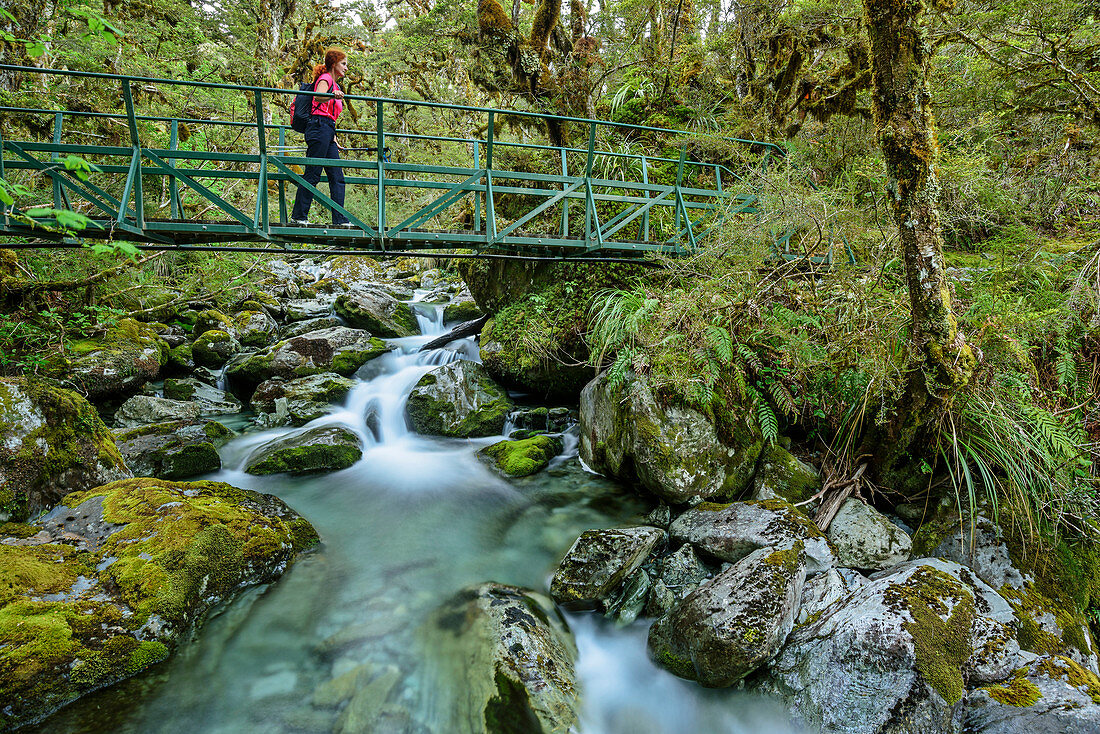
column 405, row 528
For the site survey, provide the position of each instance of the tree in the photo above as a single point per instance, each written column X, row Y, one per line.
column 941, row 362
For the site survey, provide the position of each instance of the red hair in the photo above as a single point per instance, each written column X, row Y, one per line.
column 333, row 56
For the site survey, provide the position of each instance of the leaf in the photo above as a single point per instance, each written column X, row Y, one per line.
column 36, row 49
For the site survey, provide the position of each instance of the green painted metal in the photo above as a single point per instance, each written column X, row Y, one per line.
column 436, row 177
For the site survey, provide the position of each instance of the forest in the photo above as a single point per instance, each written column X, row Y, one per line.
column 912, row 306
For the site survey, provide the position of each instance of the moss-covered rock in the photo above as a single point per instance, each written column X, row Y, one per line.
column 174, row 450
column 781, row 474
column 515, row 658
column 353, row 270
column 214, row 348
column 300, row 400
column 337, row 349
column 211, row 400
column 113, row 580
column 1052, row 695
column 458, row 311
column 864, row 538
column 673, row 451
column 521, row 458
column 130, row 354
column 315, row 450
column 141, row 410
column 460, row 400
column 598, row 562
column 52, row 441
column 254, row 328
column 212, row 320
column 298, row 328
column 377, row 312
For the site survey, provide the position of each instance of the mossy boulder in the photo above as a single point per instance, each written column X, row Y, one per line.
column 214, row 348
column 212, row 320
column 1052, row 695
column 781, row 474
column 864, row 538
column 337, row 349
column 181, row 358
column 729, row 532
column 322, row 449
column 52, row 441
column 301, row 309
column 254, row 328
column 458, row 311
column 552, row 373
column 298, row 401
column 211, row 400
column 515, row 658
column 598, row 562
column 377, row 312
column 674, row 577
column 113, row 579
column 897, row 653
column 521, row 458
column 460, row 400
column 298, row 328
column 130, row 354
column 142, row 410
column 673, row 451
column 353, row 270
column 736, row 622
column 174, row 450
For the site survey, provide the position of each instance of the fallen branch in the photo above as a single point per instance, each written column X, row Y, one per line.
column 16, row 289
column 463, row 330
column 837, row 493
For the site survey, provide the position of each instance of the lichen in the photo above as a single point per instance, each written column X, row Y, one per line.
column 1059, row 667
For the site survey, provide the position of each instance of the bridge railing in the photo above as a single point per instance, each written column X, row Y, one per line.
column 187, row 180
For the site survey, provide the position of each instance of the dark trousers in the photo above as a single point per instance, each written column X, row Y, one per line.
column 321, row 143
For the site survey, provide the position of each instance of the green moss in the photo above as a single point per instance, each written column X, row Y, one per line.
column 942, row 612
column 17, row 530
column 508, row 710
column 524, row 457
column 1018, row 692
column 347, row 361
column 307, row 459
column 1062, row 668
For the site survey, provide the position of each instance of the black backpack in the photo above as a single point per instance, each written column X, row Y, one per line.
column 303, row 108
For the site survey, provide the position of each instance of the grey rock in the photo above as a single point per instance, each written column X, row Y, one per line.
column 673, row 451
column 337, row 349
column 174, row 450
column 983, row 550
column 254, row 328
column 298, row 328
column 736, row 622
column 821, row 592
column 211, row 400
column 214, row 348
column 128, row 356
column 731, row 532
column 865, row 539
column 629, row 602
column 782, row 475
column 1061, row 704
column 299, row 309
column 141, row 410
column 458, row 399
column 678, row 574
column 300, row 400
column 322, row 449
column 377, row 312
column 598, row 563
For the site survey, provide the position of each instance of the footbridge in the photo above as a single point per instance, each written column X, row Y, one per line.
column 192, row 165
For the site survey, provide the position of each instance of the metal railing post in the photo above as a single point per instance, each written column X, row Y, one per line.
column 490, row 206
column 564, row 202
column 679, row 180
column 55, row 158
column 381, row 143
column 3, row 175
column 282, row 183
column 643, row 233
column 477, row 194
column 176, row 208
column 588, row 200
column 260, row 217
column 133, row 178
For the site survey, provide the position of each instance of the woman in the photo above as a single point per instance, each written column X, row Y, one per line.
column 321, row 138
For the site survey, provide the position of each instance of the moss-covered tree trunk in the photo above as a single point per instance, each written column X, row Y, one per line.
column 941, row 362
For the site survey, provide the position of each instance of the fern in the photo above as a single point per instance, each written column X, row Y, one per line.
column 721, row 343
column 751, row 358
column 769, row 423
column 783, row 398
column 617, row 373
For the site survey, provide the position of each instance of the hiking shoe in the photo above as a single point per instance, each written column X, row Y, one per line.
column 299, row 221
column 349, row 225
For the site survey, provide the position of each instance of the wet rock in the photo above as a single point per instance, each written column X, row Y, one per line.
column 52, row 442
column 1052, row 695
column 303, row 399
column 521, row 458
column 302, row 309
column 128, row 568
column 736, row 622
column 175, row 450
column 458, row 399
column 142, row 410
column 214, row 348
column 893, row 655
column 211, row 401
column 129, row 355
column 782, row 475
column 554, row 420
column 865, row 539
column 659, row 517
column 674, row 577
column 378, row 313
column 514, row 656
column 304, row 327
column 729, row 532
column 458, row 311
column 337, row 349
column 674, row 452
column 323, row 449
column 367, row 702
column 628, row 603
column 598, row 562
column 254, row 328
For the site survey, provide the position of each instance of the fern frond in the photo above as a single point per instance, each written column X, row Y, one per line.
column 769, row 423
column 721, row 343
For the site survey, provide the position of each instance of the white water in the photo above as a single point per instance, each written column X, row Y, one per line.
column 405, row 528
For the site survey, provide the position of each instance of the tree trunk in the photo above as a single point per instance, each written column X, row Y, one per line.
column 941, row 362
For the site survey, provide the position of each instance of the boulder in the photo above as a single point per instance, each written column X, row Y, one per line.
column 514, row 656
column 142, row 410
column 254, row 328
column 337, row 349
column 300, row 400
column 460, row 400
column 323, row 449
column 780, row 474
column 212, row 320
column 598, row 563
column 674, row 577
column 113, row 579
column 865, row 539
column 377, row 312
column 52, row 442
column 298, row 328
column 673, row 451
column 734, row 623
column 521, row 458
column 174, row 450
column 211, row 400
column 895, row 653
column 129, row 355
column 300, row 309
column 504, row 348
column 352, row 269
column 458, row 311
column 729, row 532
column 214, row 348
column 1052, row 695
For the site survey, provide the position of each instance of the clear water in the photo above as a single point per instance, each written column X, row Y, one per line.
column 416, row 520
